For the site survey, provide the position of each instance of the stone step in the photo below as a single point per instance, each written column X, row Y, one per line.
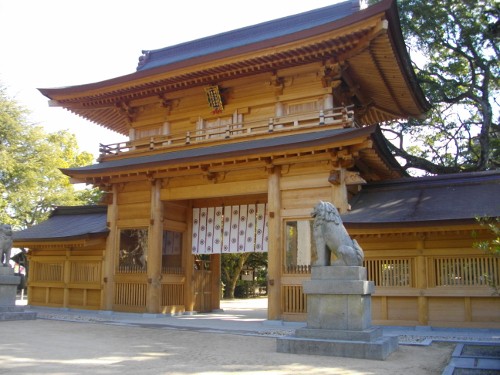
column 19, row 315
column 11, row 308
column 378, row 349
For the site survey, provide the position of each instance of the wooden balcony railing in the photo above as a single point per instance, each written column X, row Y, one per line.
column 336, row 117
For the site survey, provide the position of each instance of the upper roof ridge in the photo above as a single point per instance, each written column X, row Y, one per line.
column 246, row 35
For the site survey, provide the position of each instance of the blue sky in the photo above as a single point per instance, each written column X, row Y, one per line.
column 55, row 43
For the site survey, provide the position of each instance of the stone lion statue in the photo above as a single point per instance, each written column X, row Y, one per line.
column 331, row 236
column 5, row 244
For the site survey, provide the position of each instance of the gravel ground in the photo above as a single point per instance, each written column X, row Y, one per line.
column 275, row 332
column 47, row 346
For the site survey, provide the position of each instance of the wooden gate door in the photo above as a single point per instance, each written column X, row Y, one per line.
column 202, row 286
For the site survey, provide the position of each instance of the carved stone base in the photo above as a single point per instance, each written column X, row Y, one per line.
column 16, row 313
column 8, row 292
column 378, row 349
column 339, row 317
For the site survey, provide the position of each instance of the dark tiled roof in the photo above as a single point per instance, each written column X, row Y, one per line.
column 252, row 147
column 67, row 223
column 405, row 201
column 247, row 35
column 425, row 199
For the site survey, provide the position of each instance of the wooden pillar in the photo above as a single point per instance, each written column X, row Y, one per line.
column 339, row 189
column 110, row 253
column 215, row 265
column 188, row 263
column 66, row 278
column 275, row 246
column 421, row 285
column 30, row 276
column 155, row 249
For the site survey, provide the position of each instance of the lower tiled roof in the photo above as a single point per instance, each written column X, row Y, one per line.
column 67, row 223
column 462, row 196
column 409, row 201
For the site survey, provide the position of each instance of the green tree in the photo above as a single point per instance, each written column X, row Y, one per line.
column 31, row 183
column 233, row 264
column 458, row 42
column 490, row 246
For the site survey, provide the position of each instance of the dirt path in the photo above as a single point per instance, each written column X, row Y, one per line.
column 58, row 347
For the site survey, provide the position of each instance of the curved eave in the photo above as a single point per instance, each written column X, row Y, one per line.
column 380, row 166
column 114, row 84
column 412, row 227
column 391, row 88
column 69, row 241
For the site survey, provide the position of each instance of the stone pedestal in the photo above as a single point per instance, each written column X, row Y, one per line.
column 8, row 292
column 339, row 317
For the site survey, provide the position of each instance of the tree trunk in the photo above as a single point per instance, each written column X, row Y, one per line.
column 235, row 276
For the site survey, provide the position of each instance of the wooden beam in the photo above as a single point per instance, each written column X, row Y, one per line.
column 214, row 190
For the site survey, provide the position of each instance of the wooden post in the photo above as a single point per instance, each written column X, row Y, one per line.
column 155, row 250
column 421, row 284
column 215, row 265
column 66, row 278
column 339, row 190
column 275, row 246
column 110, row 253
column 188, row 263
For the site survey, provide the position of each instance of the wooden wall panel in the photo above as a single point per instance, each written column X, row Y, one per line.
column 140, row 196
column 301, row 181
column 485, row 310
column 56, row 296
column 294, row 199
column 176, row 212
column 446, row 309
column 76, row 297
column 93, row 299
column 402, row 308
column 377, row 310
column 134, row 211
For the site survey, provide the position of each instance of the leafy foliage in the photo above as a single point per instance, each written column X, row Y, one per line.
column 458, row 40
column 491, row 247
column 233, row 264
column 31, row 183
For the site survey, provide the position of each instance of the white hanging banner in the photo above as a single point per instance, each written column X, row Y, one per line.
column 242, row 228
column 219, row 215
column 202, row 234
column 230, row 229
column 249, row 239
column 209, row 239
column 235, row 225
column 196, row 230
column 226, row 239
column 261, row 228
